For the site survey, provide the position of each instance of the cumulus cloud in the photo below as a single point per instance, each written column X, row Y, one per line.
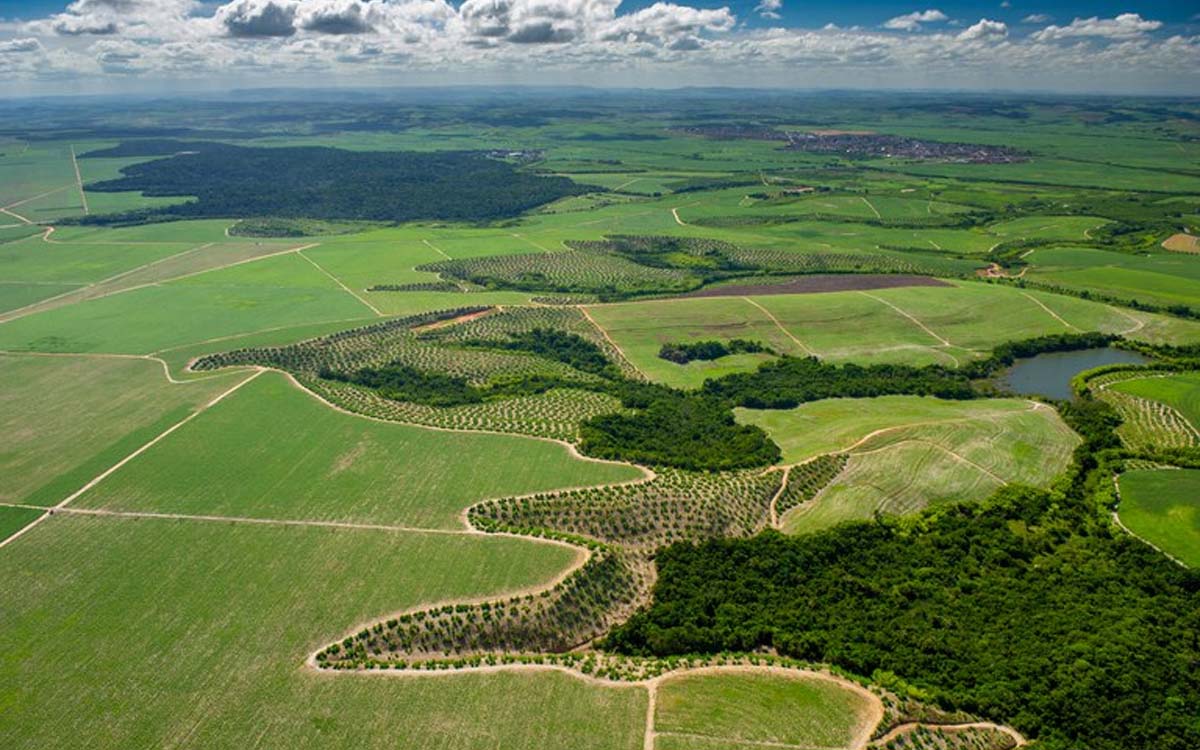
column 985, row 29
column 586, row 40
column 20, row 46
column 258, row 18
column 109, row 17
column 912, row 21
column 339, row 18
column 769, row 8
column 1124, row 26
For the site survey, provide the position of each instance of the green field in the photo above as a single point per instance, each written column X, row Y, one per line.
column 1180, row 391
column 1159, row 277
column 1162, row 506
column 199, row 632
column 908, row 452
column 744, row 709
column 916, row 325
column 273, row 451
column 67, row 419
column 223, row 526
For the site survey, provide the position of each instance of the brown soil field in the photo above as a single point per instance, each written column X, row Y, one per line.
column 820, row 282
column 1182, row 243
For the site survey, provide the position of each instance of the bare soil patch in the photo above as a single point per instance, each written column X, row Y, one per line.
column 820, row 282
column 1182, row 243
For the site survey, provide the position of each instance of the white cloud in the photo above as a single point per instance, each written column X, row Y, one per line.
column 20, row 46
column 769, row 8
column 1037, row 18
column 584, row 41
column 1124, row 26
column 913, row 21
column 985, row 29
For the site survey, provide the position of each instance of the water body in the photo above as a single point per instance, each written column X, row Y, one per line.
column 1050, row 374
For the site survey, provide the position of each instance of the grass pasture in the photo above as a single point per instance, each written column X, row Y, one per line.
column 746, row 709
column 1162, row 506
column 909, row 452
column 199, row 632
column 272, row 451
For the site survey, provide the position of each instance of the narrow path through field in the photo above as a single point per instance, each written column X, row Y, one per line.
column 907, row 727
column 871, row 206
column 913, row 318
column 148, row 357
column 609, row 339
column 79, row 181
column 1052, row 314
column 787, row 473
column 51, row 302
column 16, row 216
column 108, row 472
column 338, row 281
column 23, row 201
column 807, row 350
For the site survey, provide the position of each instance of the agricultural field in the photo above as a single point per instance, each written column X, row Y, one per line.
column 710, row 709
column 1162, row 506
column 378, row 421
column 905, row 453
column 950, row 325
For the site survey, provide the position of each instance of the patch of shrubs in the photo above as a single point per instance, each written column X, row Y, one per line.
column 708, row 350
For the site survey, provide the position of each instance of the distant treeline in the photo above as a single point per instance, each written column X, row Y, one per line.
column 326, row 183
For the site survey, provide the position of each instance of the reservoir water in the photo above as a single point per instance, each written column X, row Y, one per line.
column 1050, row 374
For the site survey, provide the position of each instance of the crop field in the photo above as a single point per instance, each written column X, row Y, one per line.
column 905, row 452
column 1162, row 506
column 54, row 445
column 948, row 325
column 225, row 614
column 1162, row 278
column 296, row 458
column 407, row 439
column 735, row 710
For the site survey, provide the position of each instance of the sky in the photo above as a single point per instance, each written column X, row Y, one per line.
column 158, row 46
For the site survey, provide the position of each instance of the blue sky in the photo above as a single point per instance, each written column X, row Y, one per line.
column 1139, row 46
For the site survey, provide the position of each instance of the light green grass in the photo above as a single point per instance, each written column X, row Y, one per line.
column 909, row 452
column 834, row 424
column 1046, row 227
column 170, row 315
column 641, row 328
column 1163, row 507
column 272, row 451
column 947, row 325
column 744, row 707
column 159, row 633
column 14, row 296
column 1161, row 277
column 67, row 419
column 33, row 260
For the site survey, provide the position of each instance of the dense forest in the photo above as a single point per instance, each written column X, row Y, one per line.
column 1019, row 610
column 327, row 183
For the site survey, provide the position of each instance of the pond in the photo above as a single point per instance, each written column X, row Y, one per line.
column 1050, row 374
